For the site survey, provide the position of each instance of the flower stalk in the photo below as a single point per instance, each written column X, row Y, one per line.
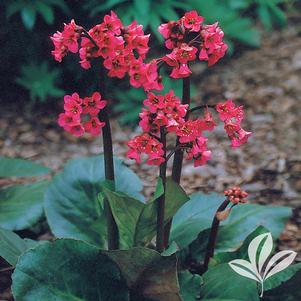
column 178, row 154
column 112, row 230
column 160, row 243
column 213, row 234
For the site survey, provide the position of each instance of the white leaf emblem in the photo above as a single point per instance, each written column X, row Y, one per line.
column 259, row 251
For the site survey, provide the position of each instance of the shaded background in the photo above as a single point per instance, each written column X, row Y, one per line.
column 262, row 71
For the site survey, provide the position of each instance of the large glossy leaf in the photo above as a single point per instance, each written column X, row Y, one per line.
column 68, row 270
column 21, row 206
column 221, row 282
column 288, row 290
column 149, row 275
column 14, row 167
column 175, row 197
column 242, row 253
column 126, row 211
column 71, row 203
column 12, row 246
column 193, row 217
column 190, row 286
column 197, row 214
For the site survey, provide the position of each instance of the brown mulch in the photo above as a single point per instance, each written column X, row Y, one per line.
column 266, row 80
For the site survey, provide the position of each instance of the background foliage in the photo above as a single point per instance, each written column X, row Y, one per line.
column 34, row 76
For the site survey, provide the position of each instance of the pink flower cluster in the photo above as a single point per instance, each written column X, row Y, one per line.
column 232, row 116
column 167, row 111
column 80, row 115
column 182, row 35
column 123, row 49
column 162, row 110
column 148, row 145
column 66, row 41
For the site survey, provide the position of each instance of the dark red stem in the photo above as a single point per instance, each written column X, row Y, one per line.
column 112, row 230
column 178, row 155
column 213, row 235
column 160, row 243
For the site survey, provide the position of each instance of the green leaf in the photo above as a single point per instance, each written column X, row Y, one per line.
column 28, row 15
column 13, row 7
column 146, row 226
column 288, row 291
column 142, row 10
column 278, row 15
column 193, row 217
column 12, row 246
column 221, row 282
column 67, row 270
column 172, row 249
column 197, row 215
column 265, row 17
column 149, row 275
column 71, row 204
column 242, row 251
column 190, row 286
column 13, row 167
column 40, row 81
column 21, row 206
column 126, row 211
column 102, row 7
column 222, row 288
column 46, row 11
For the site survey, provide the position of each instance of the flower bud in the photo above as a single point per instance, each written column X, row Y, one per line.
column 222, row 215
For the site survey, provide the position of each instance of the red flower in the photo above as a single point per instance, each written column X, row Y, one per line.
column 240, row 137
column 92, row 105
column 145, row 144
column 77, row 130
column 94, row 126
column 68, row 120
column 75, row 108
column 65, row 41
column 212, row 48
column 192, row 21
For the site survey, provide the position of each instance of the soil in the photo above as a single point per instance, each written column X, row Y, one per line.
column 267, row 81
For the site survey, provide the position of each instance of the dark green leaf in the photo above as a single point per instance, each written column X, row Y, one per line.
column 265, row 17
column 126, row 211
column 287, row 291
column 175, row 197
column 46, row 11
column 278, row 15
column 21, row 206
column 40, row 81
column 71, row 203
column 13, row 167
column 28, row 14
column 149, row 275
column 142, row 10
column 221, row 282
column 242, row 251
column 12, row 246
column 172, row 249
column 197, row 215
column 106, row 6
column 190, row 286
column 13, row 7
column 68, row 270
column 193, row 217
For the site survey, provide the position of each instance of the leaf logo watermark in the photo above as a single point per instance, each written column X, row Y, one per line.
column 259, row 268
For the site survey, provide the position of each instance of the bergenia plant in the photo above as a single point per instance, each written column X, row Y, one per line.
column 123, row 51
column 114, row 245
